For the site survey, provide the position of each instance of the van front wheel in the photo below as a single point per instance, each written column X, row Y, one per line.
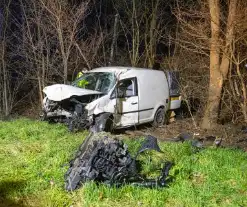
column 159, row 118
column 104, row 122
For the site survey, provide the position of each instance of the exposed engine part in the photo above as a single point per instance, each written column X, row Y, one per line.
column 53, row 111
column 107, row 160
column 49, row 105
column 78, row 121
column 70, row 111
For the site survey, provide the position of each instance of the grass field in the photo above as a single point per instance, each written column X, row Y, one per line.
column 34, row 157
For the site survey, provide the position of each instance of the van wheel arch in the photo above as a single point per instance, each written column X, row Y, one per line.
column 104, row 122
column 160, row 117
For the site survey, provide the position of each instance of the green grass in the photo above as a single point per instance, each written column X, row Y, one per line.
column 34, row 157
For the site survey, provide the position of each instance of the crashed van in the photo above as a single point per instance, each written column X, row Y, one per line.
column 108, row 98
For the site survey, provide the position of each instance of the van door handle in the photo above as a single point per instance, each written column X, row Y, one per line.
column 133, row 103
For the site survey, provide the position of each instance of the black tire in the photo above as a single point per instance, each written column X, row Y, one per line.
column 104, row 125
column 109, row 125
column 159, row 118
column 99, row 159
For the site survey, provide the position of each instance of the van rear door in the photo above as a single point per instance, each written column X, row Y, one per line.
column 127, row 103
column 174, row 88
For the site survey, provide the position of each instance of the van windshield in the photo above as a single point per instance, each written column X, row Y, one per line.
column 98, row 81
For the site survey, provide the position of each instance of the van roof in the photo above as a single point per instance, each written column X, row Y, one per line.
column 117, row 69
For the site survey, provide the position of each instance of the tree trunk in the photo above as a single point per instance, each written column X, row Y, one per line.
column 244, row 92
column 218, row 71
column 4, row 65
column 5, row 89
column 229, row 37
column 40, row 89
column 62, row 48
column 214, row 96
column 113, row 45
column 215, row 85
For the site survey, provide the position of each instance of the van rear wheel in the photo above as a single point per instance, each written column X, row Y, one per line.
column 159, row 118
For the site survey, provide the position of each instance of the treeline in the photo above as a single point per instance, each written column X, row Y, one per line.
column 48, row 41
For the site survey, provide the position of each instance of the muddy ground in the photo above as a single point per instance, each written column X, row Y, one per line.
column 231, row 135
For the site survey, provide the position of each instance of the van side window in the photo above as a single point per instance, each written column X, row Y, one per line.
column 126, row 88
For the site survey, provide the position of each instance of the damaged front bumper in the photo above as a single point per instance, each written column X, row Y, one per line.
column 76, row 117
column 52, row 111
column 55, row 114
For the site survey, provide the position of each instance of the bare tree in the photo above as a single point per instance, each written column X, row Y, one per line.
column 219, row 59
column 10, row 82
column 143, row 25
column 237, row 76
column 65, row 21
column 4, row 71
column 215, row 43
column 52, row 43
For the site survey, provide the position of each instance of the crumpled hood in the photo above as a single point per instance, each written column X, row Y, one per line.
column 59, row 92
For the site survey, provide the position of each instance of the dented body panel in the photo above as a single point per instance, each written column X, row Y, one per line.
column 59, row 92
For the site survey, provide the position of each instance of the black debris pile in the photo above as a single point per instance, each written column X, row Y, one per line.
column 104, row 159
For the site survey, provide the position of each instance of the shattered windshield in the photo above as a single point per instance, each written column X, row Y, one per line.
column 98, row 81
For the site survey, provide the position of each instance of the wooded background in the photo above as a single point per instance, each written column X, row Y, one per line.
column 43, row 42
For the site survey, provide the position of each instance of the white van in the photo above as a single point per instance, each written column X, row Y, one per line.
column 113, row 97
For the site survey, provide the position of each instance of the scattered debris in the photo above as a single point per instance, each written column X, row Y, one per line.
column 104, row 159
column 197, row 141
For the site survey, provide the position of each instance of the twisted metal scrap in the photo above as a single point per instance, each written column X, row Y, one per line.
column 107, row 160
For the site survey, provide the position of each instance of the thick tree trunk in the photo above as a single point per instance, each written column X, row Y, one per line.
column 218, row 71
column 215, row 85
column 214, row 96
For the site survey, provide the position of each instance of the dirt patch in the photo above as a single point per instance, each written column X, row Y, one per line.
column 231, row 135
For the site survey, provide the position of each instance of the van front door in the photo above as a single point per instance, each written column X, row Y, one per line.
column 127, row 103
